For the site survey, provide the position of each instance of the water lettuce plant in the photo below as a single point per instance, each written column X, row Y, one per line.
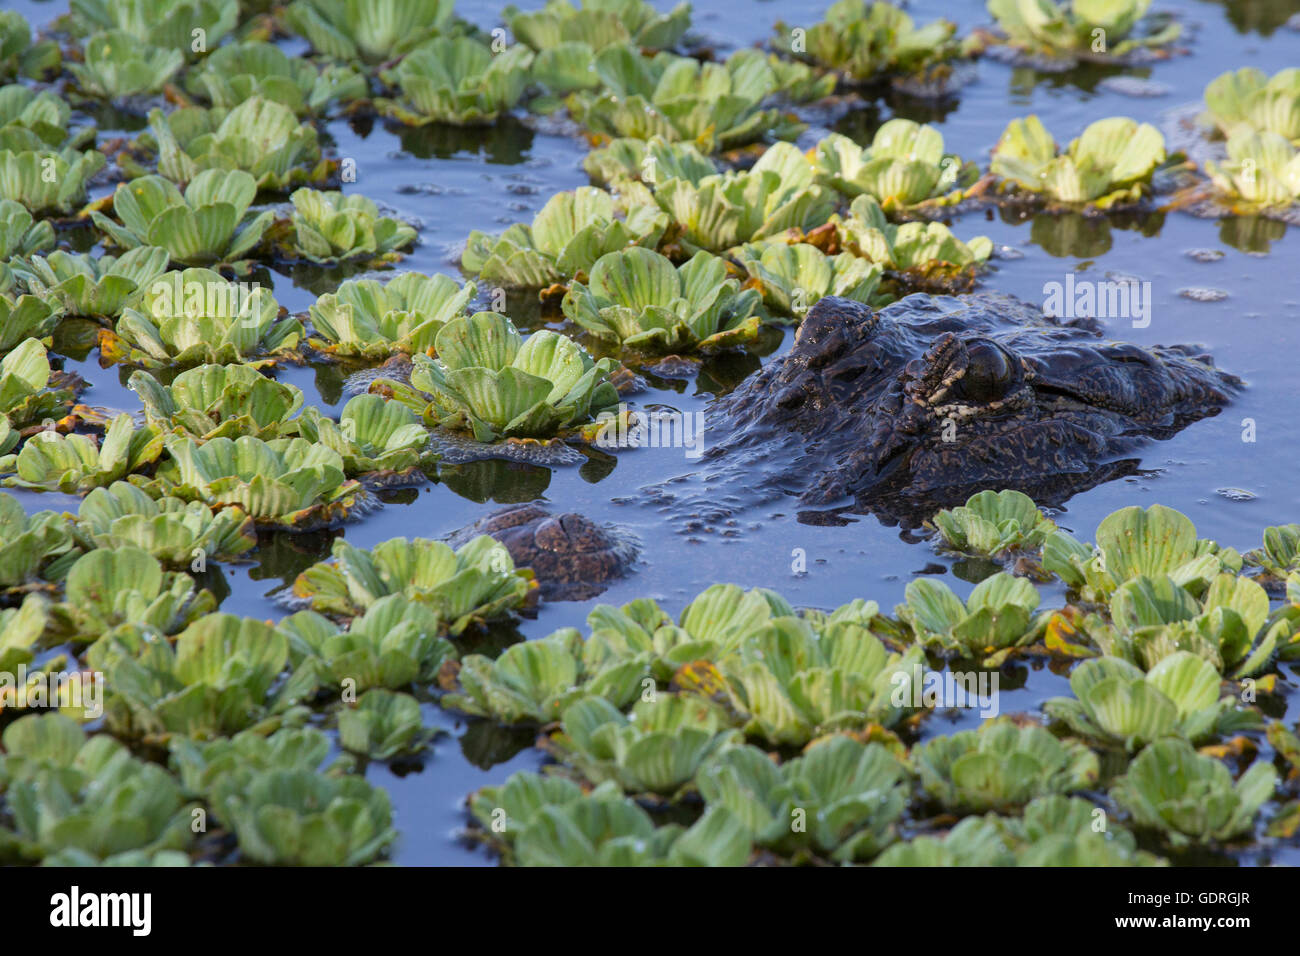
column 201, row 765
column 30, row 391
column 728, row 209
column 45, row 181
column 599, row 23
column 628, row 159
column 365, row 318
column 475, row 583
column 38, row 120
column 636, row 298
column 167, row 23
column 371, row 435
column 34, row 549
column 287, row 483
column 1262, row 170
column 919, row 254
column 23, row 318
column 395, row 643
column 86, row 796
column 92, row 287
column 658, row 748
column 1279, row 555
column 713, row 105
column 240, row 71
column 331, row 227
column 1190, row 797
column 993, row 523
column 904, row 167
column 848, row 796
column 20, row 235
column 118, row 65
column 180, row 534
column 208, row 224
column 222, row 323
column 1085, row 29
column 371, row 31
column 19, row 56
column 536, row 681
column 457, row 80
column 219, row 401
column 1001, row 766
column 566, row 237
column 382, row 724
column 1109, row 164
column 1249, row 96
column 490, row 381
column 260, row 137
column 52, row 461
column 793, row 277
column 1116, row 703
column 861, row 41
column 997, row 617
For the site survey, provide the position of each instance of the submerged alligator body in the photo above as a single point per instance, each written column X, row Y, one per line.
column 913, row 407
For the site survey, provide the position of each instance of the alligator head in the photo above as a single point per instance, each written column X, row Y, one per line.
column 916, row 406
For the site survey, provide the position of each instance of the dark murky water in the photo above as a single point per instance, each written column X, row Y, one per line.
column 455, row 182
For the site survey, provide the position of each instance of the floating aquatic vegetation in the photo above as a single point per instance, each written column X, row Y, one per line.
column 599, row 23
column 997, row 618
column 1262, row 170
column 207, row 225
column 52, row 461
column 219, row 401
column 628, row 159
column 203, row 764
column 975, row 841
column 216, row 678
column 793, row 277
column 1116, row 703
column 862, row 41
column 48, row 182
column 543, row 821
column 470, row 585
column 850, row 795
column 372, row 320
column 568, row 235
column 126, row 586
column 19, row 56
column 371, row 435
column 38, row 120
column 72, row 794
column 728, row 209
column 23, row 627
column 260, row 137
column 1109, row 164
column 194, row 317
column 92, row 287
column 118, row 65
column 536, row 681
column 1001, row 766
column 178, row 533
column 331, row 227
column 382, row 724
column 993, row 523
column 1190, row 797
column 904, row 167
column 26, row 318
column 369, row 30
column 562, row 69
column 29, row 391
column 489, row 380
column 923, row 254
column 395, row 643
column 1084, row 29
column 713, row 105
column 286, row 483
column 456, row 80
column 165, row 23
column 657, row 749
column 1251, row 97
column 300, row 818
column 33, row 549
column 241, row 71
column 20, row 235
column 636, row 298
column 1279, row 555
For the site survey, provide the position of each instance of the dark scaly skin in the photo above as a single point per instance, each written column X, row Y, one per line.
column 573, row 557
column 1034, row 403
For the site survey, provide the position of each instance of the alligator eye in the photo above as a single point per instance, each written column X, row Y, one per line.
column 989, row 371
